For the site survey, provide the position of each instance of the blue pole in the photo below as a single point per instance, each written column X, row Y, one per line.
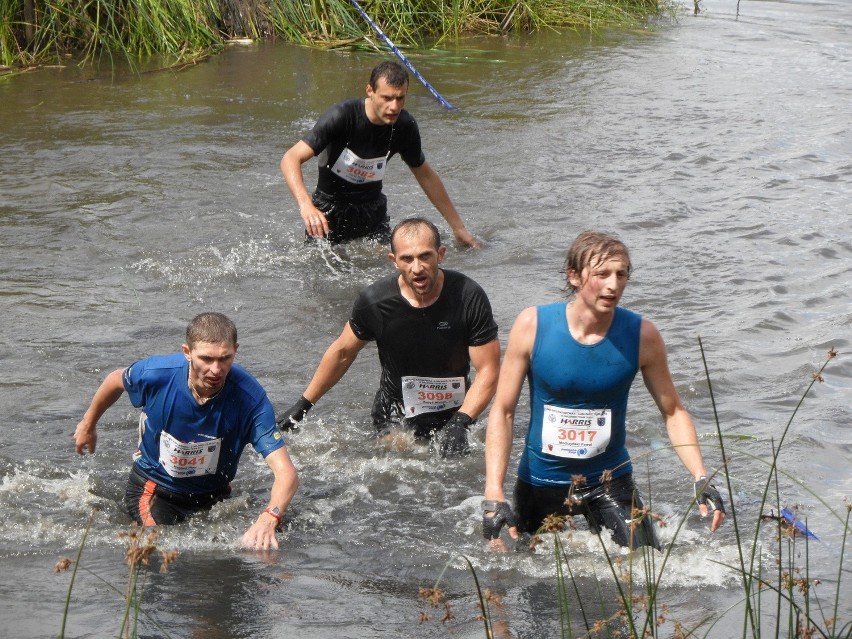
column 404, row 60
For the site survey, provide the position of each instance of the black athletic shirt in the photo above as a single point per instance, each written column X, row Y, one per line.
column 431, row 341
column 346, row 124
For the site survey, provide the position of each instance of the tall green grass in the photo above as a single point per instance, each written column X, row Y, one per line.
column 798, row 603
column 34, row 32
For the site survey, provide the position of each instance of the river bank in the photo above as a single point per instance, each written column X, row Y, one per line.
column 185, row 31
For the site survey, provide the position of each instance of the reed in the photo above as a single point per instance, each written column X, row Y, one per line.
column 436, row 598
column 48, row 31
column 787, row 594
column 139, row 546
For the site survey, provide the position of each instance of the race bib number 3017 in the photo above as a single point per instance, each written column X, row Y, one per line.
column 575, row 433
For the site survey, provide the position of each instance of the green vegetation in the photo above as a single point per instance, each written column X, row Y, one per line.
column 139, row 548
column 39, row 32
column 780, row 600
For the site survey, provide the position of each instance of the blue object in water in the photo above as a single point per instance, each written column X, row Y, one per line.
column 797, row 524
column 399, row 55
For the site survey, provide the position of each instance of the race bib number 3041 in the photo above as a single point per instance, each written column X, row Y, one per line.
column 575, row 433
column 431, row 394
column 189, row 459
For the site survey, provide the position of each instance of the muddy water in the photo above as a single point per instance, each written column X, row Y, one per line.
column 718, row 147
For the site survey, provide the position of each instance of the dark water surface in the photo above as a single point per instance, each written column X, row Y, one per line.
column 718, row 147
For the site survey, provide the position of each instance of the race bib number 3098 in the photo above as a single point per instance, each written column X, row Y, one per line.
column 431, row 394
column 575, row 433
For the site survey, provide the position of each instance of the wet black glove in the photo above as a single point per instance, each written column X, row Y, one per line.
column 496, row 514
column 295, row 414
column 706, row 493
column 454, row 436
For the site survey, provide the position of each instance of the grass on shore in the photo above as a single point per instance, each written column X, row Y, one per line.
column 36, row 32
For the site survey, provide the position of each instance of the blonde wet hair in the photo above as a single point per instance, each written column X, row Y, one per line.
column 593, row 247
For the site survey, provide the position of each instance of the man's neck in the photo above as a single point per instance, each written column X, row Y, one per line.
column 586, row 325
column 371, row 115
column 422, row 301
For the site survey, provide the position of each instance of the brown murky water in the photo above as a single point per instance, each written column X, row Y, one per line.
column 718, row 148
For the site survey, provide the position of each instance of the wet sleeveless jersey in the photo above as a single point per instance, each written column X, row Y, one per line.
column 190, row 447
column 345, row 126
column 578, row 400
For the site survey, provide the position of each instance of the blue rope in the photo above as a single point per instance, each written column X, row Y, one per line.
column 405, row 61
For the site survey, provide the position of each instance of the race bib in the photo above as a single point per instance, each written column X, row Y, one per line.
column 189, row 459
column 575, row 433
column 358, row 170
column 431, row 394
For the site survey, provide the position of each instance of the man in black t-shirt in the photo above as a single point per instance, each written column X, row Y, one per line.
column 354, row 140
column 429, row 325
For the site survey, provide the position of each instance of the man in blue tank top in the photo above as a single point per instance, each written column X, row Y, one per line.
column 354, row 140
column 580, row 359
column 200, row 410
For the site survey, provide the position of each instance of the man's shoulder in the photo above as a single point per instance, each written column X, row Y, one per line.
column 244, row 385
column 159, row 362
column 341, row 114
column 626, row 315
column 406, row 119
column 244, row 379
column 346, row 106
column 457, row 281
column 165, row 361
column 551, row 307
column 381, row 289
column 154, row 371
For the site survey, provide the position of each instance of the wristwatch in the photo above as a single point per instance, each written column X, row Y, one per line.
column 275, row 511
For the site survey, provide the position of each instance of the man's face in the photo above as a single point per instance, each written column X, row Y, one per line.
column 209, row 365
column 602, row 283
column 417, row 261
column 384, row 103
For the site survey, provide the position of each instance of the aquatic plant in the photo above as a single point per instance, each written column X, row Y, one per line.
column 788, row 594
column 185, row 31
column 436, row 598
column 139, row 547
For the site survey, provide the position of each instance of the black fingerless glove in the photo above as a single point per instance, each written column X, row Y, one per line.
column 295, row 414
column 496, row 514
column 706, row 493
column 454, row 436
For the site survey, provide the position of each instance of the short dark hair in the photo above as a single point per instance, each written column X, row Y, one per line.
column 411, row 227
column 393, row 73
column 593, row 245
column 212, row 328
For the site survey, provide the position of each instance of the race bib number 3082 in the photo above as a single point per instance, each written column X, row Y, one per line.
column 575, row 433
column 359, row 170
